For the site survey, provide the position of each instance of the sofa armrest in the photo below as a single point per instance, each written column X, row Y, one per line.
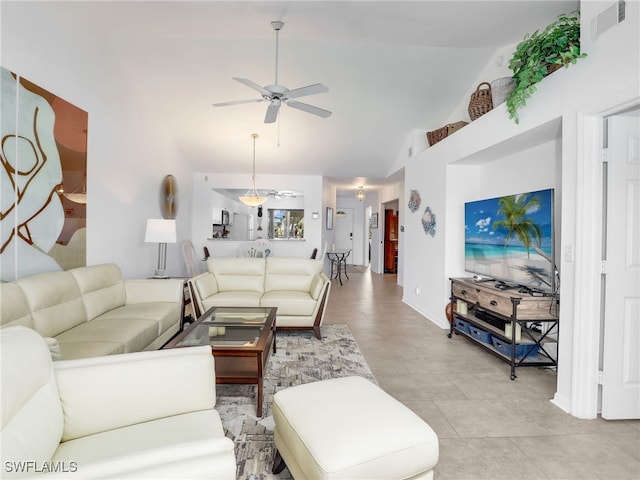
column 201, row 287
column 154, row 290
column 318, row 285
column 104, row 393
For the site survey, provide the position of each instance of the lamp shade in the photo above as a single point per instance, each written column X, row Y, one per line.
column 252, row 199
column 160, row 230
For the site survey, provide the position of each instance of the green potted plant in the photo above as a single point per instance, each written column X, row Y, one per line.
column 539, row 54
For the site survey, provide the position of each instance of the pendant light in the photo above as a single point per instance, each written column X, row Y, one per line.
column 251, row 198
column 360, row 193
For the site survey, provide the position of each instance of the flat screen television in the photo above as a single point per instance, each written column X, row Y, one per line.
column 511, row 239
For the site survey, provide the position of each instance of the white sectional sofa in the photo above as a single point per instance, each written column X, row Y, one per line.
column 296, row 286
column 92, row 311
column 135, row 415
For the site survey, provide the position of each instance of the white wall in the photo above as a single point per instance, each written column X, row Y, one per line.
column 497, row 68
column 127, row 156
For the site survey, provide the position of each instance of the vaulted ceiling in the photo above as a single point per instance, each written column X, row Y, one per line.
column 390, row 67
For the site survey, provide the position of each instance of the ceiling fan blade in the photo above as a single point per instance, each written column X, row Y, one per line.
column 305, row 107
column 253, row 85
column 272, row 111
column 308, row 90
column 238, row 102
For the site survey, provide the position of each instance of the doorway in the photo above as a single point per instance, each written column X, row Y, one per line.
column 344, row 230
column 390, row 237
column 390, row 241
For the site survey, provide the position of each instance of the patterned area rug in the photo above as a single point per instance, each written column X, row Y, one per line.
column 300, row 358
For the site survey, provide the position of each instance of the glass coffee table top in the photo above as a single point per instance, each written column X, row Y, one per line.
column 227, row 327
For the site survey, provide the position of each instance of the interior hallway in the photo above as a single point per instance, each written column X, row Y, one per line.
column 489, row 426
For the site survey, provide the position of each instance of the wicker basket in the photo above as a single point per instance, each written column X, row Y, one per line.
column 500, row 89
column 441, row 133
column 481, row 101
column 552, row 67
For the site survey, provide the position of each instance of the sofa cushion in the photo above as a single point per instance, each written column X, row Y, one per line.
column 102, row 288
column 238, row 274
column 71, row 349
column 232, row 299
column 292, row 274
column 164, row 314
column 134, row 334
column 14, row 309
column 31, row 412
column 159, row 449
column 55, row 302
column 289, row 303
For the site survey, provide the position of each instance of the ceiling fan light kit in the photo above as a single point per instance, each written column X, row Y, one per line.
column 277, row 94
column 251, row 198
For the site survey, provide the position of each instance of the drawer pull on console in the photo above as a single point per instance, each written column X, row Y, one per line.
column 493, row 303
column 464, row 292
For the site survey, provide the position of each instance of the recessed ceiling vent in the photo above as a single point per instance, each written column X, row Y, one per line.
column 609, row 18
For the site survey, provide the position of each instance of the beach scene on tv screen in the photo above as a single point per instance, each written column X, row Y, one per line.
column 510, row 238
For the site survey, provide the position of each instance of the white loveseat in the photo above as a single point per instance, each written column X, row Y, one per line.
column 137, row 415
column 93, row 311
column 296, row 286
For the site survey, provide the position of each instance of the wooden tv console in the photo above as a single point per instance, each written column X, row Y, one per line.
column 501, row 321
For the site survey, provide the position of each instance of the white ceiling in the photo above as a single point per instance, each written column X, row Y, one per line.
column 391, row 67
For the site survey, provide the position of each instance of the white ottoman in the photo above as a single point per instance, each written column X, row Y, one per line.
column 348, row 428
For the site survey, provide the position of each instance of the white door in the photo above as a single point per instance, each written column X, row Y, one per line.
column 344, row 229
column 621, row 352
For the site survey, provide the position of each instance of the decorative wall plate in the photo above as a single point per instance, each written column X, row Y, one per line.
column 429, row 222
column 414, row 200
column 169, row 197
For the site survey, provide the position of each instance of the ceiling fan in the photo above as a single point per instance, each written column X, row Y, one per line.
column 276, row 94
column 282, row 194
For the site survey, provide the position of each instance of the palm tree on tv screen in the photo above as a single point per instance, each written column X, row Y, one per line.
column 514, row 209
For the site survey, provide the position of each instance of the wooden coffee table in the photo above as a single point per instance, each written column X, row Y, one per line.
column 240, row 338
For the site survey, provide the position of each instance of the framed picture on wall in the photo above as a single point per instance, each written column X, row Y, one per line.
column 374, row 220
column 329, row 218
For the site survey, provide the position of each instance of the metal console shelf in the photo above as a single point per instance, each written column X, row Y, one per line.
column 507, row 316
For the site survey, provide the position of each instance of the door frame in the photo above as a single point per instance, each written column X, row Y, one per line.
column 392, row 204
column 587, row 302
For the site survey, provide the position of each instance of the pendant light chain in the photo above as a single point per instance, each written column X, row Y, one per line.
column 253, row 177
column 252, row 198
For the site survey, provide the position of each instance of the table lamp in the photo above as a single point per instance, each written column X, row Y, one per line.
column 161, row 231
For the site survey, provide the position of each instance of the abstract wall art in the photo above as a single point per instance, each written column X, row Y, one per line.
column 429, row 222
column 43, row 180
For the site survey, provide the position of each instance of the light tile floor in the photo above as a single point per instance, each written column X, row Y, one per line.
column 489, row 426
